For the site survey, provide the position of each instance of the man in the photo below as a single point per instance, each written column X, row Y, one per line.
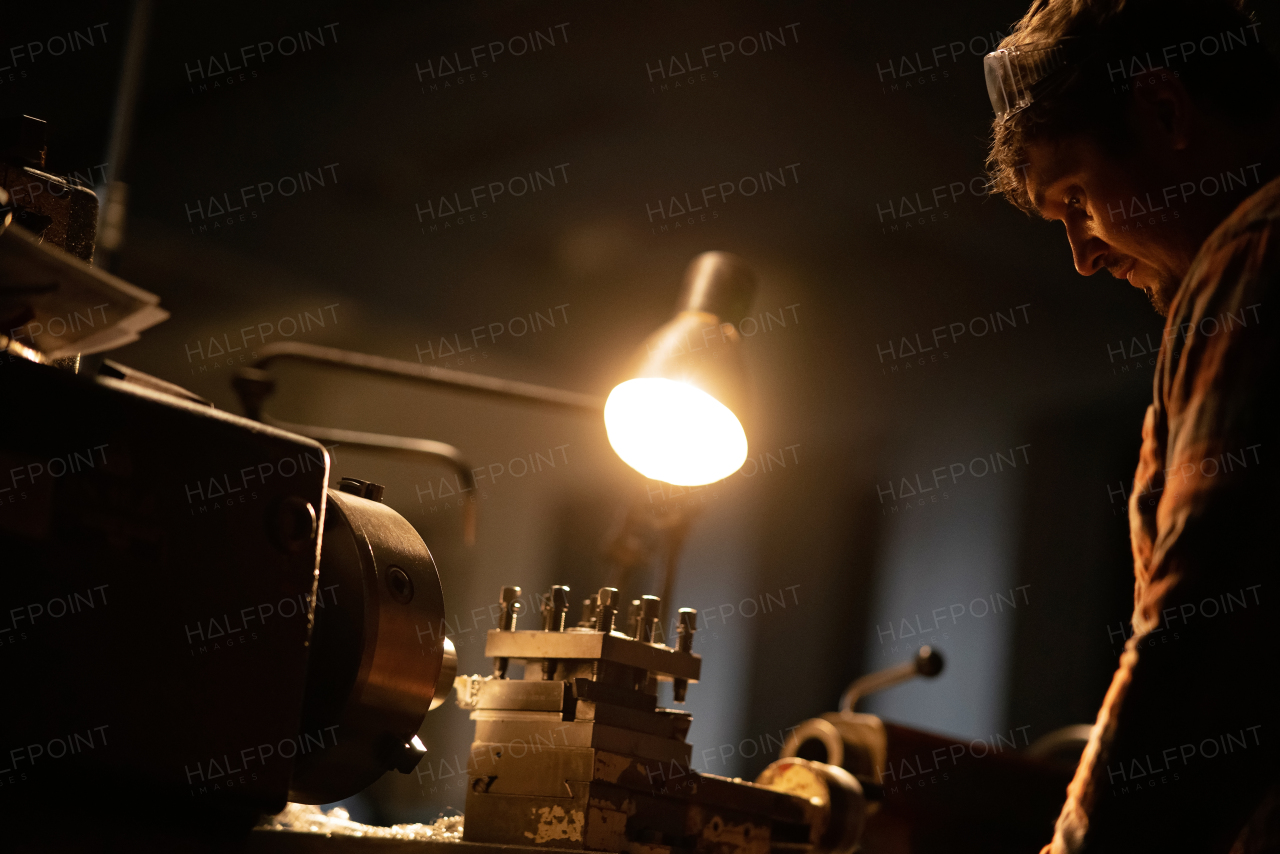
column 1151, row 130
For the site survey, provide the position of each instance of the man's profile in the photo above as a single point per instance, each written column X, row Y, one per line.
column 1151, row 130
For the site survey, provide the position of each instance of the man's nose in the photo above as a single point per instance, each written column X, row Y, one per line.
column 1087, row 250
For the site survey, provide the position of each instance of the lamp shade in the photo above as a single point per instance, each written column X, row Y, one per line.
column 678, row 417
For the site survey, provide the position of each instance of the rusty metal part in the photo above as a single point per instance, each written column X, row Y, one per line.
column 838, row 826
column 265, row 840
column 370, row 674
column 588, row 760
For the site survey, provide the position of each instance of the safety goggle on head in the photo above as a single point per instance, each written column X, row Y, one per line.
column 1015, row 77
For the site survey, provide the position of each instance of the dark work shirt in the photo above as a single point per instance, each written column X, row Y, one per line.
column 1183, row 751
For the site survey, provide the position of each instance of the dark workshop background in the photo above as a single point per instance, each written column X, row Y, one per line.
column 825, row 557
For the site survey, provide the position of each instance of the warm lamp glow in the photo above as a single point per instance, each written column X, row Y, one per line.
column 674, row 432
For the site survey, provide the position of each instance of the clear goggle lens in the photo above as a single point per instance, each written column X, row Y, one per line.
column 1013, row 75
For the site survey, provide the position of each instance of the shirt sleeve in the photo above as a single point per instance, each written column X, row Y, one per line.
column 1181, row 752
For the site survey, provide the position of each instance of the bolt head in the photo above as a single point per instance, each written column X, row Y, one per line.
column 400, row 585
column 652, row 607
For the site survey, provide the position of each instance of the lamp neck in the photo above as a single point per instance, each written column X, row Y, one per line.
column 718, row 283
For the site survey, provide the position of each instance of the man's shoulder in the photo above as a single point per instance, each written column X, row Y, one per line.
column 1260, row 211
column 1214, row 335
column 1239, row 260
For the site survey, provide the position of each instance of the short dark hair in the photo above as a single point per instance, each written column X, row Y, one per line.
column 1213, row 46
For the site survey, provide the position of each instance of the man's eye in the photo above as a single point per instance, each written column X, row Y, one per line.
column 1073, row 201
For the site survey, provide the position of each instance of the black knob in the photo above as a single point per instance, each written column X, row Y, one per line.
column 928, row 661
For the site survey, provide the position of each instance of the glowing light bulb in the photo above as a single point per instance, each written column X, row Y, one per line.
column 674, row 432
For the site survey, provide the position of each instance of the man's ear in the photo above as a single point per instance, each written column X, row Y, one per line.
column 1166, row 110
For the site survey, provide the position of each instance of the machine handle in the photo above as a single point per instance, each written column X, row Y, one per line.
column 928, row 662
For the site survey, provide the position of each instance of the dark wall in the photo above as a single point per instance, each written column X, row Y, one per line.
column 1073, row 550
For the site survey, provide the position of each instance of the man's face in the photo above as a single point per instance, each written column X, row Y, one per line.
column 1090, row 191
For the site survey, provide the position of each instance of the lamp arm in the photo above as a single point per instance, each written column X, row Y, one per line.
column 457, row 380
column 254, row 385
column 440, row 451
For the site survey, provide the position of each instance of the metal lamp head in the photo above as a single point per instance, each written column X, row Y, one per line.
column 679, row 418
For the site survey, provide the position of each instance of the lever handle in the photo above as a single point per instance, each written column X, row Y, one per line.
column 928, row 662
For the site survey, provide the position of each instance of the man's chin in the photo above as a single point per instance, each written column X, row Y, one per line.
column 1159, row 291
column 1158, row 301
